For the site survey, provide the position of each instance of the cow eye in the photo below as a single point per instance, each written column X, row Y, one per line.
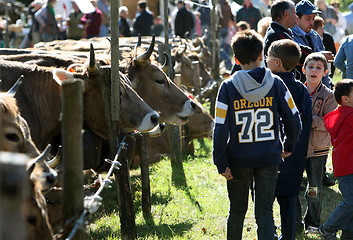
column 160, row 81
column 12, row 137
column 32, row 220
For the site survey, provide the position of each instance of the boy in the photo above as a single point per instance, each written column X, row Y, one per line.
column 246, row 142
column 283, row 57
column 339, row 123
column 323, row 102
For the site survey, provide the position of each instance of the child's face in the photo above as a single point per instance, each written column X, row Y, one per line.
column 273, row 63
column 314, row 71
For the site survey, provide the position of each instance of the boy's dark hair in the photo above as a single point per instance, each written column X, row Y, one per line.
column 343, row 88
column 247, row 46
column 316, row 57
column 288, row 51
column 278, row 8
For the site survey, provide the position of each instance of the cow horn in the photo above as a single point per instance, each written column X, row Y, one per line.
column 56, row 160
column 139, row 41
column 165, row 66
column 197, row 49
column 108, row 38
column 40, row 157
column 204, row 35
column 92, row 67
column 12, row 91
column 146, row 55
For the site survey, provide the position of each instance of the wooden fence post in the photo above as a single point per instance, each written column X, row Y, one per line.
column 72, row 120
column 145, row 178
column 13, row 188
column 196, row 77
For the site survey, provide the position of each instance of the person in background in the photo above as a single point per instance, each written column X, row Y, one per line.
column 249, row 13
column 205, row 16
column 282, row 57
column 198, row 25
column 158, row 26
column 263, row 25
column 349, row 19
column 323, row 102
column 341, row 25
column 344, row 58
column 184, row 21
column 124, row 26
column 48, row 25
column 327, row 40
column 103, row 5
column 144, row 20
column 251, row 94
column 92, row 22
column 329, row 14
column 35, row 27
column 75, row 27
column 339, row 123
column 304, row 34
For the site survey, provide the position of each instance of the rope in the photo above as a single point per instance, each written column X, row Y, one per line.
column 92, row 203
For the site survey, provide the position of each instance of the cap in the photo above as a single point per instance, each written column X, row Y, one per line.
column 141, row 1
column 305, row 7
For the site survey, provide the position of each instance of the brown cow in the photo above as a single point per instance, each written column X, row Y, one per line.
column 40, row 104
column 156, row 88
column 15, row 137
column 200, row 125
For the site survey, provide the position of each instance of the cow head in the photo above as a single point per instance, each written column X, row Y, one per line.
column 154, row 86
column 35, row 213
column 135, row 113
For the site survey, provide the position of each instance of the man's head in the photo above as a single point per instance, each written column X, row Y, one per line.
column 142, row 4
column 283, row 12
column 344, row 92
column 283, row 53
column 247, row 47
column 315, row 67
column 306, row 12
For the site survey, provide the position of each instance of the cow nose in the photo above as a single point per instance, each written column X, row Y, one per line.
column 51, row 178
column 155, row 118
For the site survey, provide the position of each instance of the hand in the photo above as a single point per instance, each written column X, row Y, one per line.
column 227, row 174
column 285, row 154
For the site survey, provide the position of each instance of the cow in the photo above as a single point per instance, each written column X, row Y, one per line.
column 200, row 125
column 40, row 104
column 16, row 137
column 34, row 208
column 156, row 88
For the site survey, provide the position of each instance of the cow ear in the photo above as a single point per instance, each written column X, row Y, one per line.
column 61, row 75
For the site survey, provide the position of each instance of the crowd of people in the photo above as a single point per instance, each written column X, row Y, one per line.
column 278, row 116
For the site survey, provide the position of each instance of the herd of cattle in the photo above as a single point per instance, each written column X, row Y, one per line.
column 30, row 112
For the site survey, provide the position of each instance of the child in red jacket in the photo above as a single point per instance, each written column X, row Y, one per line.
column 339, row 123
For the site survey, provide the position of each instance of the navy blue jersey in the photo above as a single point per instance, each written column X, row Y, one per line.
column 248, row 111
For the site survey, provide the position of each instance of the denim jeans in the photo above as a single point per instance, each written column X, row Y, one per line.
column 342, row 216
column 238, row 193
column 314, row 169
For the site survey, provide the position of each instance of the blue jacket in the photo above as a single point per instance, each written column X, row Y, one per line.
column 248, row 111
column 299, row 37
column 344, row 58
column 143, row 23
column 291, row 170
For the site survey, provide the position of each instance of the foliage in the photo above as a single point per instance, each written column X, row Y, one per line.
column 189, row 201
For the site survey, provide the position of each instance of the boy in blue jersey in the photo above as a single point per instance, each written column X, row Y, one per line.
column 283, row 57
column 246, row 138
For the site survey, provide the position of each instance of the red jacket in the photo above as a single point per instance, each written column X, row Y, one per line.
column 339, row 123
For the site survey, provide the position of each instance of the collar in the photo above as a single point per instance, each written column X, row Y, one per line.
column 284, row 28
column 317, row 89
column 248, row 6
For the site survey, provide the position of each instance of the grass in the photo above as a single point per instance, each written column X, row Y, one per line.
column 188, row 202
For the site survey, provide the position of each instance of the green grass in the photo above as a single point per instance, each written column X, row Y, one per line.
column 188, row 202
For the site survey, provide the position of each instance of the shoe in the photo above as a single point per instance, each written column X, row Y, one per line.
column 327, row 234
column 326, row 181
column 311, row 229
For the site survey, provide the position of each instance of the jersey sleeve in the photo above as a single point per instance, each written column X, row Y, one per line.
column 221, row 130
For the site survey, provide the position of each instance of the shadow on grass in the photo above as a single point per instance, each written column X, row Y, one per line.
column 164, row 231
